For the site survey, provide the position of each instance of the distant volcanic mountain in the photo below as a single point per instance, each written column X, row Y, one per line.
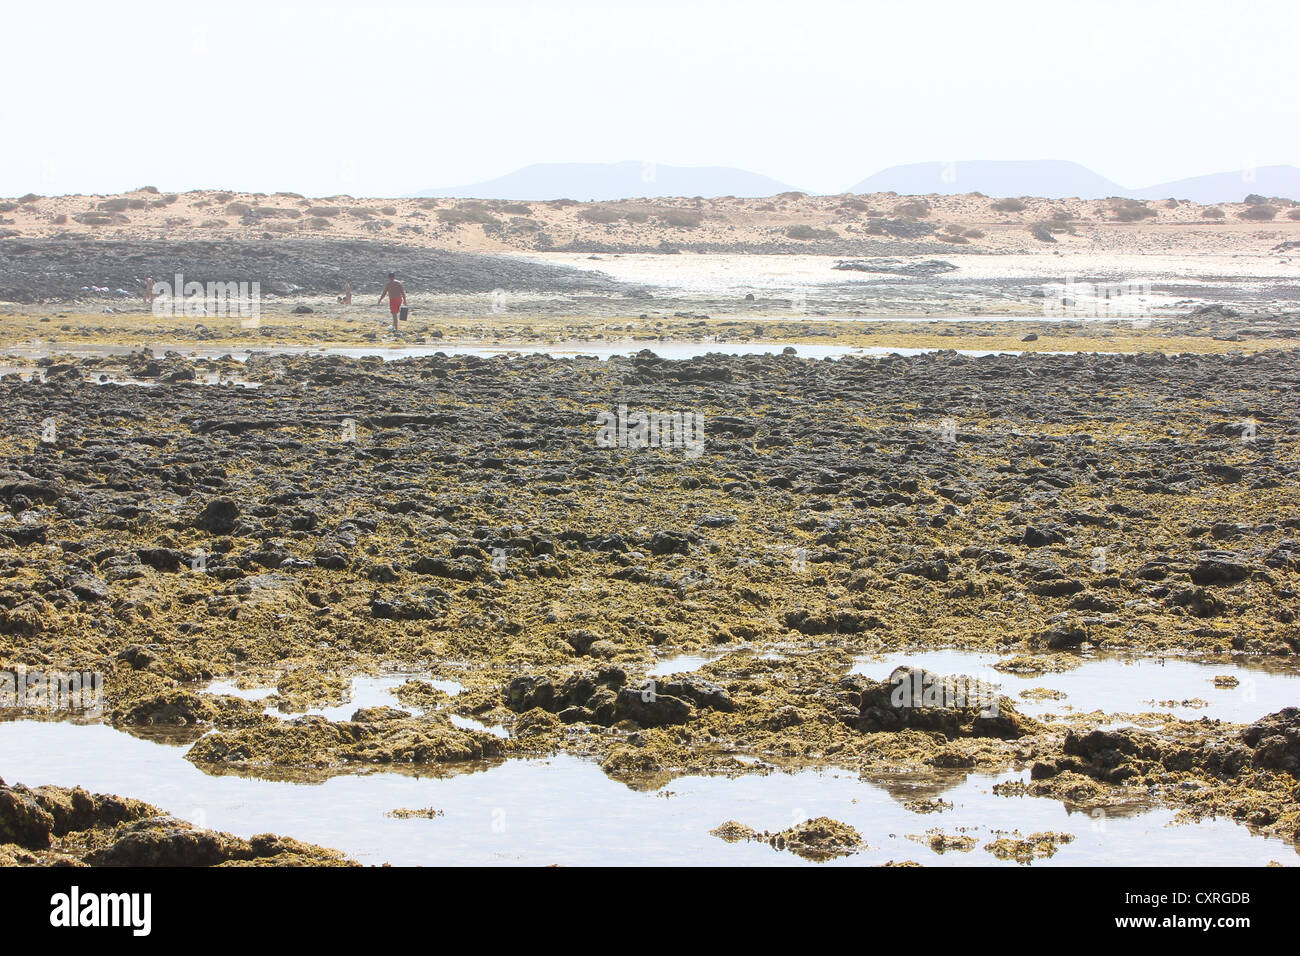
column 607, row 181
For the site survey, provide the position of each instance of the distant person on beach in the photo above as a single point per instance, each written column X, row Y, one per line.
column 148, row 291
column 396, row 294
column 346, row 297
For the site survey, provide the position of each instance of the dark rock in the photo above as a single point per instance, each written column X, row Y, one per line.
column 162, row 559
column 164, row 842
column 1219, row 567
column 171, row 707
column 23, row 821
column 218, row 516
column 1063, row 636
column 649, row 708
column 1275, row 740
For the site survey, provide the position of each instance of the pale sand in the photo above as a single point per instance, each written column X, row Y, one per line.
column 208, row 214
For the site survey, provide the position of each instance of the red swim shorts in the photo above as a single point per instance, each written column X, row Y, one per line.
column 394, row 306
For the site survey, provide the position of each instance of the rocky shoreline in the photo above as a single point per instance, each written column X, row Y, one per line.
column 58, row 826
column 60, row 270
column 457, row 517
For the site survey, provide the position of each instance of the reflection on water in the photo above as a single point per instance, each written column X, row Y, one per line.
column 680, row 664
column 565, row 810
column 363, row 692
column 228, row 688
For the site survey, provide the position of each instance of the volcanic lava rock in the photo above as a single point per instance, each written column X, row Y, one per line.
column 218, row 516
column 1220, row 567
column 1275, row 740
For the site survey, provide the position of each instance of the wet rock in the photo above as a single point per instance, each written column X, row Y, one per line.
column 830, row 622
column 218, row 516
column 461, row 569
column 25, row 620
column 1041, row 537
column 733, row 831
column 315, row 742
column 375, row 715
column 698, row 691
column 1198, row 602
column 136, row 656
column 1027, row 849
column 429, row 604
column 525, row 693
column 1229, row 474
column 932, row 570
column 669, row 542
column 1112, row 755
column 163, row 842
column 1220, row 567
column 1061, row 587
column 581, row 639
column 914, row 698
column 1094, row 602
column 88, row 587
column 821, row 838
column 25, row 534
column 1063, row 636
column 162, row 559
column 649, row 708
column 76, row 809
column 1275, row 740
column 537, row 722
column 23, row 821
column 173, row 707
column 583, row 693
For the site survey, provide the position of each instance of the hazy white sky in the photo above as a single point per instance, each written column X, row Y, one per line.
column 389, row 98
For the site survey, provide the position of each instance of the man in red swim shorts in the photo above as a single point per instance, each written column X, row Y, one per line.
column 396, row 294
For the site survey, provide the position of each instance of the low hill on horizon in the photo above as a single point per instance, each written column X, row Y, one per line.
column 1062, row 179
column 1039, row 178
column 604, row 182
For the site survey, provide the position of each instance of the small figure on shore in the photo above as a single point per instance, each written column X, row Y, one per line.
column 346, row 297
column 148, row 291
column 396, row 294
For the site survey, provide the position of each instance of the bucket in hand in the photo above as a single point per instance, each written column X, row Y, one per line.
column 404, row 313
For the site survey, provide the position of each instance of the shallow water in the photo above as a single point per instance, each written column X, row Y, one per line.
column 565, row 810
column 364, row 692
column 1122, row 684
column 1182, row 687
column 680, row 664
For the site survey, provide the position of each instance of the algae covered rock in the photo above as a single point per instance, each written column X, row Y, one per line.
column 57, row 826
column 1275, row 740
column 917, row 699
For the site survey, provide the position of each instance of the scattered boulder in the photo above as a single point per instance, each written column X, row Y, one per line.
column 218, row 516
